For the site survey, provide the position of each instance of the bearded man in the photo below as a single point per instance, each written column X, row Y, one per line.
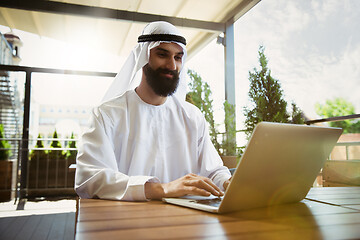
column 147, row 142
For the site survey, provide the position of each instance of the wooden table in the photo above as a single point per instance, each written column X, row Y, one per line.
column 326, row 213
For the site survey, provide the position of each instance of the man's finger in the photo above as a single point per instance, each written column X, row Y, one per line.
column 192, row 190
column 206, row 185
column 211, row 183
column 213, row 186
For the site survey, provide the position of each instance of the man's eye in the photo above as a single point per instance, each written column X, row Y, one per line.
column 161, row 54
column 177, row 58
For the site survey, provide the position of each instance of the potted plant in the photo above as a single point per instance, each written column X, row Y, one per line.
column 57, row 164
column 6, row 167
column 200, row 96
column 71, row 159
column 229, row 154
column 38, row 165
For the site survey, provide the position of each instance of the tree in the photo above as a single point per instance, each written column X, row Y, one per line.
column 39, row 142
column 71, row 154
column 36, row 154
column 267, row 101
column 55, row 143
column 200, row 95
column 336, row 108
column 53, row 154
column 229, row 140
column 5, row 151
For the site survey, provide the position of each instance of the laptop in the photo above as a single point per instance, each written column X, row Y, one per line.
column 279, row 165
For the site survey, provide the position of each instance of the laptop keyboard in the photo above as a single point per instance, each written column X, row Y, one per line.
column 215, row 202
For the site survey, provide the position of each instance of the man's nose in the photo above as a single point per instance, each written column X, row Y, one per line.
column 171, row 64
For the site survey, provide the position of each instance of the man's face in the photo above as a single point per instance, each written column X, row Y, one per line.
column 162, row 71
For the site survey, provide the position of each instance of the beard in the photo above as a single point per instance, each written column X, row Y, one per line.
column 161, row 85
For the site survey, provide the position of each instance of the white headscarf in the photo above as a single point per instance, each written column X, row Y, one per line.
column 139, row 57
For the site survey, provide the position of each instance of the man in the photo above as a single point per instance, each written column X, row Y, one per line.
column 147, row 142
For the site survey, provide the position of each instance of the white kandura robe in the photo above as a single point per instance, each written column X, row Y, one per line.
column 130, row 142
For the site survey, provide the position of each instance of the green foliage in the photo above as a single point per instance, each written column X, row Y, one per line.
column 267, row 101
column 336, row 108
column 71, row 154
column 55, row 143
column 5, row 146
column 38, row 154
column 229, row 140
column 53, row 154
column 296, row 115
column 200, row 96
column 39, row 142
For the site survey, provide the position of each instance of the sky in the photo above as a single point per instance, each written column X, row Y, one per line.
column 313, row 49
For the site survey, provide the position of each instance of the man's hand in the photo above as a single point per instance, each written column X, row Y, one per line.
column 189, row 184
column 226, row 183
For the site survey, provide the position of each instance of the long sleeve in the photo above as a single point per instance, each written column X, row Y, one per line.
column 97, row 172
column 129, row 143
column 211, row 163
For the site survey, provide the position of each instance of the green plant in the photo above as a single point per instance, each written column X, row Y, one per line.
column 5, row 151
column 55, row 143
column 229, row 139
column 296, row 115
column 37, row 153
column 39, row 142
column 265, row 94
column 71, row 154
column 200, row 95
column 53, row 154
column 336, row 108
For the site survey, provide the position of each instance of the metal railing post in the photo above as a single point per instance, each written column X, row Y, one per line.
column 25, row 136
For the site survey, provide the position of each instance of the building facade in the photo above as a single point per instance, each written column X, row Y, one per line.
column 66, row 120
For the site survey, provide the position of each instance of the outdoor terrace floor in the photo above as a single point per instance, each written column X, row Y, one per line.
column 38, row 220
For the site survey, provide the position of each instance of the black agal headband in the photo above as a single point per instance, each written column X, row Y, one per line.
column 161, row 37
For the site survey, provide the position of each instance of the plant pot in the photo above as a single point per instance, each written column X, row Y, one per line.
column 38, row 168
column 6, row 175
column 229, row 161
column 45, row 173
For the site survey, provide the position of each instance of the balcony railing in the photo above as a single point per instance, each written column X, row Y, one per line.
column 24, row 150
column 48, row 172
column 342, row 169
column 333, row 119
column 347, row 145
column 53, row 181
